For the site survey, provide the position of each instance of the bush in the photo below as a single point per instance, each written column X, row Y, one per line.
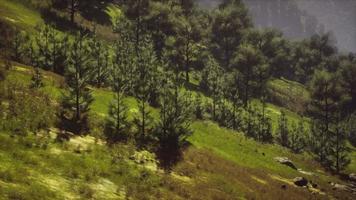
column 28, row 110
column 86, row 191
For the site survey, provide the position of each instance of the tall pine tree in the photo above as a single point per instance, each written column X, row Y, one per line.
column 76, row 103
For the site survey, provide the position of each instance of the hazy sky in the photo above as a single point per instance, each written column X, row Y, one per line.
column 338, row 16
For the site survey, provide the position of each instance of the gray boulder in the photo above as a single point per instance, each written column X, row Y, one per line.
column 300, row 181
column 285, row 161
column 352, row 177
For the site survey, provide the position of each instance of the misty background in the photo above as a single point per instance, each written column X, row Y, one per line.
column 299, row 19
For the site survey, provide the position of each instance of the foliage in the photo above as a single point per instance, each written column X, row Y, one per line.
column 37, row 79
column 146, row 68
column 74, row 114
column 283, row 132
column 298, row 137
column 27, row 111
column 173, row 128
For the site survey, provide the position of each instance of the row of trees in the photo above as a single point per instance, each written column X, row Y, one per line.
column 160, row 42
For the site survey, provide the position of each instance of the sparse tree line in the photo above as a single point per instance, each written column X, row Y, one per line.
column 160, row 43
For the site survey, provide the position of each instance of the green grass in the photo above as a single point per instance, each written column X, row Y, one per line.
column 215, row 162
column 289, row 94
column 19, row 15
column 243, row 151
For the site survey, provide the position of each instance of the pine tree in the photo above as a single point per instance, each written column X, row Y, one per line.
column 101, row 55
column 36, row 80
column 17, row 46
column 227, row 30
column 186, row 44
column 117, row 126
column 146, row 62
column 70, row 6
column 174, row 125
column 329, row 131
column 338, row 150
column 50, row 49
column 264, row 125
column 199, row 107
column 76, row 103
column 297, row 137
column 283, row 131
column 213, row 82
column 249, row 61
column 136, row 12
column 125, row 53
column 325, row 98
column 351, row 128
column 235, row 98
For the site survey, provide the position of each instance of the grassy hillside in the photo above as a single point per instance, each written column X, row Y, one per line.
column 19, row 15
column 223, row 162
column 217, row 163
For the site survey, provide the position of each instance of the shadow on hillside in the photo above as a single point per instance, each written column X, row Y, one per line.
column 62, row 23
column 169, row 155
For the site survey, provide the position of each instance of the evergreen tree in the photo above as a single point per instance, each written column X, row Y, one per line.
column 117, row 126
column 146, row 62
column 264, row 125
column 249, row 61
column 297, row 137
column 224, row 114
column 51, row 49
column 212, row 79
column 227, row 30
column 283, row 131
column 233, row 94
column 174, row 125
column 351, row 128
column 76, row 103
column 36, row 80
column 326, row 98
column 137, row 12
column 70, row 6
column 251, row 122
column 125, row 53
column 199, row 107
column 17, row 46
column 186, row 44
column 101, row 55
column 338, row 150
column 347, row 74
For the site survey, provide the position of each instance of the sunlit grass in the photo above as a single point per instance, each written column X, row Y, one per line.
column 19, row 15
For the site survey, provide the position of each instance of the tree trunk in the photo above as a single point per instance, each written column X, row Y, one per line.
column 72, row 11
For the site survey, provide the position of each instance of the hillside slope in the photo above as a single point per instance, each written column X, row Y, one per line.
column 218, row 163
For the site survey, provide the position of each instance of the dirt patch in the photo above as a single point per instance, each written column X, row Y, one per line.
column 231, row 181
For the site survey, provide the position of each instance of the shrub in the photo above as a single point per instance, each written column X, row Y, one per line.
column 28, row 110
column 86, row 191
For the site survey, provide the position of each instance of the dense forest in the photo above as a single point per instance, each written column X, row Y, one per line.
column 180, row 64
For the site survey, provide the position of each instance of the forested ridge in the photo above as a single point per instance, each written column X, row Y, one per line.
column 165, row 91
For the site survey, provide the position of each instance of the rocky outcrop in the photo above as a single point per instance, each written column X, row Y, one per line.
column 349, row 188
column 352, row 177
column 300, row 181
column 285, row 161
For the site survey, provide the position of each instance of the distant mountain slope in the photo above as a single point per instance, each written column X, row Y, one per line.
column 338, row 16
column 303, row 18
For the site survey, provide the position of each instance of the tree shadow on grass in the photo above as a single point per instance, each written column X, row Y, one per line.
column 61, row 23
column 169, row 154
